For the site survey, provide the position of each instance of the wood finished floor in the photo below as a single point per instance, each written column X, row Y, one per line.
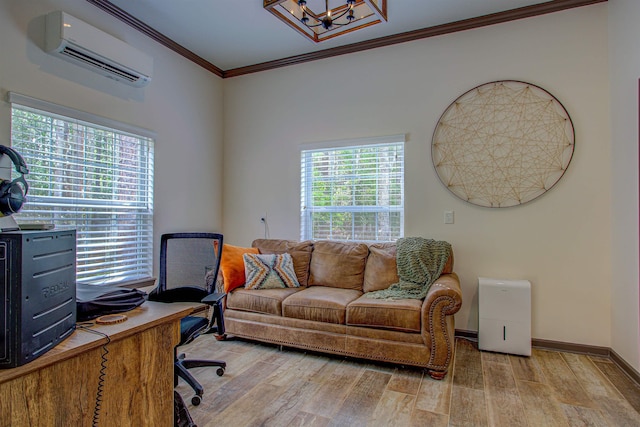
column 266, row 386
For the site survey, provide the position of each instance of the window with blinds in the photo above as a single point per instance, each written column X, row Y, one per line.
column 353, row 190
column 96, row 179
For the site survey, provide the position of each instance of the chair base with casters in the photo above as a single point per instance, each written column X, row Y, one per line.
column 182, row 365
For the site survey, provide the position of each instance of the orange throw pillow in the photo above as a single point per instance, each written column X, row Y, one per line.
column 232, row 265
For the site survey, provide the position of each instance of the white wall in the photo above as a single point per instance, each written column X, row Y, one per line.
column 624, row 60
column 580, row 253
column 182, row 104
column 561, row 241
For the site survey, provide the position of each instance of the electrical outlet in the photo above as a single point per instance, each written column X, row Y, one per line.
column 448, row 217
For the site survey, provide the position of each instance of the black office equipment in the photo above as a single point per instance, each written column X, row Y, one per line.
column 37, row 293
column 97, row 300
column 185, row 261
column 13, row 192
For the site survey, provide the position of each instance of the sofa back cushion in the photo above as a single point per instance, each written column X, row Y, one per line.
column 338, row 264
column 382, row 270
column 300, row 253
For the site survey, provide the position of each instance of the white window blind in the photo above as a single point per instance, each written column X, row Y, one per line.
column 94, row 178
column 353, row 190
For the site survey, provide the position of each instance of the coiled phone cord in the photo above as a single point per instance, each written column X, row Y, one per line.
column 103, row 368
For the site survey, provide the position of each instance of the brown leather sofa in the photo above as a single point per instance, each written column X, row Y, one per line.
column 330, row 313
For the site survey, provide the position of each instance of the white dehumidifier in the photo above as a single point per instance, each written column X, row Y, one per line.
column 504, row 316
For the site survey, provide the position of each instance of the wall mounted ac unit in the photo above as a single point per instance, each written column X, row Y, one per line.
column 84, row 45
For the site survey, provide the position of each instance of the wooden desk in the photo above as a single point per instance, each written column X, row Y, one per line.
column 59, row 388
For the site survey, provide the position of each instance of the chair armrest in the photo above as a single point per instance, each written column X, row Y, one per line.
column 213, row 298
column 181, row 294
column 443, row 300
column 217, row 317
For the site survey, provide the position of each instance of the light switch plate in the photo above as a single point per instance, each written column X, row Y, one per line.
column 448, row 217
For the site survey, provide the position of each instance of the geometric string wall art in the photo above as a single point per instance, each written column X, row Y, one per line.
column 502, row 144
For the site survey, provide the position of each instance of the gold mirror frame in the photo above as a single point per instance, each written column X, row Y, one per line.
column 502, row 144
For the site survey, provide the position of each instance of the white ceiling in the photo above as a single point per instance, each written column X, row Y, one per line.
column 238, row 33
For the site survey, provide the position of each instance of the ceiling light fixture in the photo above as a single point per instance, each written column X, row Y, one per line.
column 318, row 25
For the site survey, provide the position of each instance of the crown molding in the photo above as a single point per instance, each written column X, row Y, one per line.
column 437, row 30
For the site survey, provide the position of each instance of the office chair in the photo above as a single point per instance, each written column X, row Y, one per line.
column 185, row 260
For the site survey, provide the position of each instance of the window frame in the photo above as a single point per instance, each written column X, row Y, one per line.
column 306, row 184
column 140, row 210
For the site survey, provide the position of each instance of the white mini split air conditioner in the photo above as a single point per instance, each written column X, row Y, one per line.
column 84, row 45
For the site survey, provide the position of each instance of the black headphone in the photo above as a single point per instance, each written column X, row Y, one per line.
column 13, row 193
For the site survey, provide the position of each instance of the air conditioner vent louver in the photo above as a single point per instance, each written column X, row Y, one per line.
column 94, row 62
column 84, row 45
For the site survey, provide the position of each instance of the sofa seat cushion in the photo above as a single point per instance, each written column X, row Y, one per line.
column 398, row 315
column 320, row 304
column 266, row 301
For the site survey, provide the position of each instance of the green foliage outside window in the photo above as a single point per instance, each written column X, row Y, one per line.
column 354, row 193
column 96, row 180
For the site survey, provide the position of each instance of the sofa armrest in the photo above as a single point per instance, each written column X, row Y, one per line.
column 443, row 300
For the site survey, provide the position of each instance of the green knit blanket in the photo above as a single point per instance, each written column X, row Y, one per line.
column 420, row 263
